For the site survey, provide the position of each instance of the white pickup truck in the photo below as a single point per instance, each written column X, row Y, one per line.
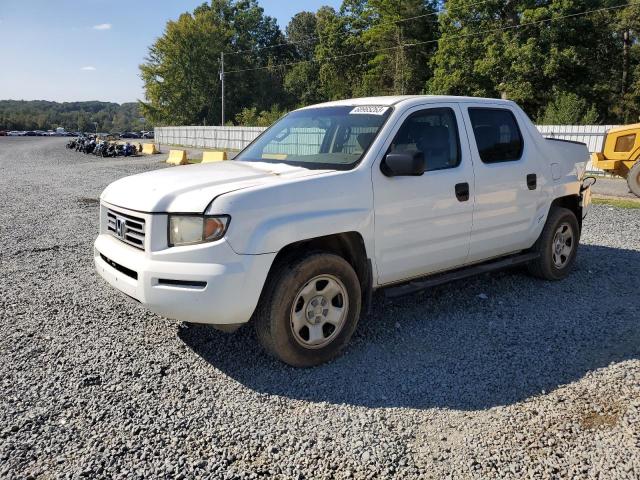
column 337, row 200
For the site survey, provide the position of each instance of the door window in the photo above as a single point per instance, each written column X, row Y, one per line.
column 497, row 134
column 433, row 132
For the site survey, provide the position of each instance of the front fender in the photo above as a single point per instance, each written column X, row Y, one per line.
column 265, row 219
column 273, row 234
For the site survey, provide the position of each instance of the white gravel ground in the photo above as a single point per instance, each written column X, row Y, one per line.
column 502, row 376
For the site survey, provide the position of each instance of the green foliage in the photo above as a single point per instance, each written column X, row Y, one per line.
column 302, row 80
column 335, row 75
column 559, row 66
column 531, row 60
column 250, row 117
column 180, row 73
column 82, row 116
column 569, row 109
column 524, row 50
column 393, row 69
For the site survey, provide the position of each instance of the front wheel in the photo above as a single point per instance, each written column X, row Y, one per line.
column 309, row 309
column 557, row 246
column 633, row 179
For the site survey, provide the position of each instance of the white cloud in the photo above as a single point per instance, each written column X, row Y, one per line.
column 102, row 26
column 88, row 68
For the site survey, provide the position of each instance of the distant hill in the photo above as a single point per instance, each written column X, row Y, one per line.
column 73, row 116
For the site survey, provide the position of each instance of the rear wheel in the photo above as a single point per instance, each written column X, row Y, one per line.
column 633, row 179
column 309, row 309
column 557, row 246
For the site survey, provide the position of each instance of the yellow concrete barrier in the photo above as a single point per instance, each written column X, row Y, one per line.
column 274, row 156
column 210, row 157
column 177, row 157
column 149, row 148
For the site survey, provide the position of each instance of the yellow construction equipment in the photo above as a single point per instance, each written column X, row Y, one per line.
column 149, row 148
column 620, row 155
column 210, row 157
column 178, row 157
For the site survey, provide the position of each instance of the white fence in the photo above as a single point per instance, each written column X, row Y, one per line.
column 236, row 138
column 592, row 135
column 223, row 138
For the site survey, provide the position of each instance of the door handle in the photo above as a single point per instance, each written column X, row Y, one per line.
column 532, row 181
column 462, row 192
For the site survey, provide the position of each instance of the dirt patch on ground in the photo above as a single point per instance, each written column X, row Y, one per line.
column 606, row 418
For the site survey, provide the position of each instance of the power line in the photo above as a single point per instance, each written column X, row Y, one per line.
column 318, row 37
column 407, row 45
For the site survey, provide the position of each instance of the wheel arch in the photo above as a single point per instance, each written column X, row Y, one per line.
column 570, row 202
column 348, row 245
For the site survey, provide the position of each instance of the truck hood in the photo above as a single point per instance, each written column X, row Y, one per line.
column 191, row 188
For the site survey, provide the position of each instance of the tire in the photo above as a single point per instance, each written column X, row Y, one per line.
column 633, row 179
column 557, row 246
column 309, row 309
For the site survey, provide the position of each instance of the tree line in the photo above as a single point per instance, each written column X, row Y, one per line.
column 559, row 64
column 72, row 116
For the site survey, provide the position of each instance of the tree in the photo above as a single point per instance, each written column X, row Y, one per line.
column 336, row 72
column 627, row 105
column 181, row 85
column 181, row 70
column 543, row 55
column 302, row 34
column 250, row 117
column 43, row 115
column 387, row 27
column 569, row 109
column 523, row 50
column 302, row 81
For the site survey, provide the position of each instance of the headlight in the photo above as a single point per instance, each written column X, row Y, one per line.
column 192, row 229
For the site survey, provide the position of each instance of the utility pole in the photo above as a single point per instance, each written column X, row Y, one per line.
column 222, row 80
column 626, row 48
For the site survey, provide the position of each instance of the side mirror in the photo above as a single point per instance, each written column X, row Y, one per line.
column 403, row 164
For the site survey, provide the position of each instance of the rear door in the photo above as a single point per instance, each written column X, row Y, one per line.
column 507, row 177
column 423, row 224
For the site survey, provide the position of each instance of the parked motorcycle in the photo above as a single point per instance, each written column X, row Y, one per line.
column 128, row 150
column 89, row 146
column 103, row 148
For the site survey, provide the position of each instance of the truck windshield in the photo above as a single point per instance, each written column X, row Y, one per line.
column 323, row 137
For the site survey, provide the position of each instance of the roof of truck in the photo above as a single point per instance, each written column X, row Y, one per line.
column 410, row 99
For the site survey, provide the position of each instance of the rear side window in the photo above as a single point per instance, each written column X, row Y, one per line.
column 497, row 134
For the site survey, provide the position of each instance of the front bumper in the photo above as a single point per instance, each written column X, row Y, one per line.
column 207, row 283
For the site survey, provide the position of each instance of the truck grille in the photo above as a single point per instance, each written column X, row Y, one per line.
column 127, row 228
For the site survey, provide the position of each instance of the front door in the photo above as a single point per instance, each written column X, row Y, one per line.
column 423, row 224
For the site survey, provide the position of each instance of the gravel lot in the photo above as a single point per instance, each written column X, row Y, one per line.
column 502, row 376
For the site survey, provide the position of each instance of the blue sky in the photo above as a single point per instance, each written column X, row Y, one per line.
column 67, row 50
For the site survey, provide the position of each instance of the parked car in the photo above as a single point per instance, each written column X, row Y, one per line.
column 30, row 134
column 15, row 133
column 129, row 135
column 3, row 133
column 337, row 200
column 148, row 135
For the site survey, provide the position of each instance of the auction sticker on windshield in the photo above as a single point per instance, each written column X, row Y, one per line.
column 369, row 110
